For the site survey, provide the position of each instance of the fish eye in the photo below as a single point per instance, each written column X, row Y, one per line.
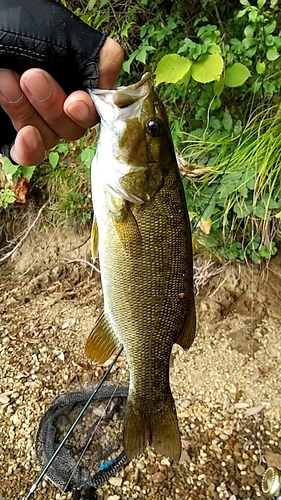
column 154, row 127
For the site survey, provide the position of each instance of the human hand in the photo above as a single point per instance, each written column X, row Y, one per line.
column 40, row 109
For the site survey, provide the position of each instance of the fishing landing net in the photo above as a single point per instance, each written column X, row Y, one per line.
column 94, row 450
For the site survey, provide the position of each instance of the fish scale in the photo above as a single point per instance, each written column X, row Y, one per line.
column 145, row 255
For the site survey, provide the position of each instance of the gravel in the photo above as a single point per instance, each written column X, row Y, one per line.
column 226, row 388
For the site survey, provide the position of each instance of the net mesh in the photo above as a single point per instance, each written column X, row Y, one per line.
column 94, row 451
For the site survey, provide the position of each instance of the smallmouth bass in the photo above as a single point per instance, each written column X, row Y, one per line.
column 141, row 231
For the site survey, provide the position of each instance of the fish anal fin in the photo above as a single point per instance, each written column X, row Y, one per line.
column 187, row 334
column 94, row 239
column 102, row 342
column 157, row 427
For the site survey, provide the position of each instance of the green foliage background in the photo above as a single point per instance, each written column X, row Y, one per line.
column 217, row 68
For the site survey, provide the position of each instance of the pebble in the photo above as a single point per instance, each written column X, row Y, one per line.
column 214, row 388
column 158, row 477
column 115, row 481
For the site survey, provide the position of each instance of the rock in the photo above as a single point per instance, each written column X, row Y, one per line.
column 241, row 466
column 11, row 302
column 273, row 459
column 115, row 481
column 259, row 470
column 211, row 488
column 61, row 356
column 68, row 323
column 165, row 461
column 4, row 399
column 184, row 458
column 158, row 477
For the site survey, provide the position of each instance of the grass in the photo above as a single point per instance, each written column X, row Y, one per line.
column 245, row 174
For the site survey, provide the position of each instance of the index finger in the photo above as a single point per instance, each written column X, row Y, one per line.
column 48, row 98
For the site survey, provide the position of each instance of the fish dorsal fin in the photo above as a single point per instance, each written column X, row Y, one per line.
column 102, row 342
column 94, row 239
column 187, row 334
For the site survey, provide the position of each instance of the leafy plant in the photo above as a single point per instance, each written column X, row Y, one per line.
column 65, row 179
column 7, row 196
column 243, row 182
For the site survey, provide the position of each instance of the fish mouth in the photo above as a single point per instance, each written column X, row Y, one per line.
column 123, row 101
column 125, row 96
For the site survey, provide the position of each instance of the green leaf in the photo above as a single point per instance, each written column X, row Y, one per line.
column 87, row 156
column 249, row 30
column 242, row 13
column 185, row 79
column 27, row 171
column 243, row 190
column 272, row 54
column 62, row 148
column 127, row 64
column 253, row 14
column 249, row 42
column 54, row 158
column 242, row 210
column 91, row 4
column 238, row 127
column 251, row 51
column 270, row 28
column 8, row 167
column 235, row 42
column 255, row 87
column 249, row 177
column 209, row 210
column 208, row 68
column 277, row 42
column 172, row 68
column 142, row 53
column 271, row 204
column 216, row 104
column 260, row 67
column 227, row 121
column 261, row 3
column 269, row 40
column 260, row 211
column 254, row 256
column 218, row 86
column 236, row 75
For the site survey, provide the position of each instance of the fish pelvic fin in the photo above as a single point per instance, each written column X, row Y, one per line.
column 187, row 334
column 157, row 427
column 94, row 239
column 102, row 342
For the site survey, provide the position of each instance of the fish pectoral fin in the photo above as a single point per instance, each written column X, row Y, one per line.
column 102, row 342
column 128, row 233
column 157, row 426
column 187, row 334
column 94, row 239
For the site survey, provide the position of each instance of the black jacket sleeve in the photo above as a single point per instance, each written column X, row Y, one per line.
column 44, row 34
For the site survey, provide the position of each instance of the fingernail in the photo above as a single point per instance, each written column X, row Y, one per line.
column 39, row 87
column 79, row 110
column 10, row 87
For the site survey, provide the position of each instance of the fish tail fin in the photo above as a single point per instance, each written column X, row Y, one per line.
column 156, row 426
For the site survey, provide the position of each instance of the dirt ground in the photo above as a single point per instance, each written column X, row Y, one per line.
column 226, row 388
